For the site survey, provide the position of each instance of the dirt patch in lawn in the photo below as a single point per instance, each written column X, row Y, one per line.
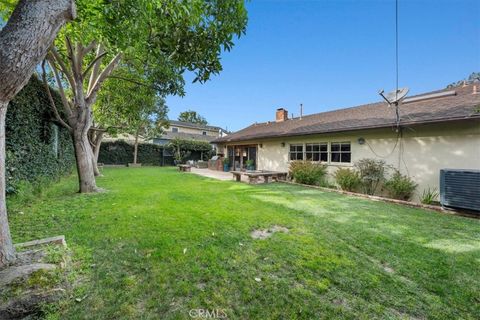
column 267, row 233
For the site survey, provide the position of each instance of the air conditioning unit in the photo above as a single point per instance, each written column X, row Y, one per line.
column 460, row 188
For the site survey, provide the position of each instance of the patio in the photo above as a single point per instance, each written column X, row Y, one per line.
column 221, row 175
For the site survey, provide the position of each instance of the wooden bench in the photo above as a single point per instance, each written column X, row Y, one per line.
column 184, row 168
column 253, row 176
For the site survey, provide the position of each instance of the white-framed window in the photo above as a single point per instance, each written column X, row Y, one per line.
column 204, row 133
column 340, row 152
column 316, row 151
column 174, row 129
column 296, row 152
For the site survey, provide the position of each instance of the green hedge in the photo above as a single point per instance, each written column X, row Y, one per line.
column 121, row 152
column 36, row 148
column 190, row 149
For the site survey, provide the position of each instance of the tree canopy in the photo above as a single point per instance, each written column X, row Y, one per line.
column 192, row 117
column 162, row 39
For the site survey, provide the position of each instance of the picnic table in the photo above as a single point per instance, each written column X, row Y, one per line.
column 184, row 168
column 253, row 176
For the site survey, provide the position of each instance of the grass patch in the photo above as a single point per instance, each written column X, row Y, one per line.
column 160, row 243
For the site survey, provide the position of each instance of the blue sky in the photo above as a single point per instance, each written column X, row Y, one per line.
column 333, row 54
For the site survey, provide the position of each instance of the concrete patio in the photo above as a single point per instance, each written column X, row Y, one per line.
column 219, row 175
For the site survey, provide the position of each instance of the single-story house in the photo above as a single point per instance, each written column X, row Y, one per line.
column 435, row 130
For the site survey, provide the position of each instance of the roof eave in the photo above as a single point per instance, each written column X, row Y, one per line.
column 473, row 117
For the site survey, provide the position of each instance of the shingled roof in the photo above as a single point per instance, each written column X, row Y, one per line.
column 460, row 104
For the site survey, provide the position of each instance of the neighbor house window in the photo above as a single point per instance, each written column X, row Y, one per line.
column 316, row 152
column 204, row 133
column 296, row 152
column 174, row 129
column 340, row 152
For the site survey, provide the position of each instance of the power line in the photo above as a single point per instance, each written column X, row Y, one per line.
column 396, row 47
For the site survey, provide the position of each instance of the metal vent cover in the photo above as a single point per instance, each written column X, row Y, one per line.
column 460, row 188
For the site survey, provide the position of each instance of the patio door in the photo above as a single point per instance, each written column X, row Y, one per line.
column 239, row 155
column 252, row 156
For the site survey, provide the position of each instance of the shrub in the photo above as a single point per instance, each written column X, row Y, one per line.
column 307, row 172
column 372, row 173
column 400, row 186
column 429, row 196
column 347, row 179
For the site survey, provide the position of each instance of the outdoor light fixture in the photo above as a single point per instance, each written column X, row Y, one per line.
column 361, row 140
column 283, row 144
column 261, row 145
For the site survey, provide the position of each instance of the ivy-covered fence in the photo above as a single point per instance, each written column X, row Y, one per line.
column 184, row 150
column 120, row 152
column 36, row 147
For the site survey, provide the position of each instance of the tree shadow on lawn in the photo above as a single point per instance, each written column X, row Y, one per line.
column 432, row 254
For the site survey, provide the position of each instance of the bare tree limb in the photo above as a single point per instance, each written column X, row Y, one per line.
column 89, row 48
column 53, row 55
column 50, row 98
column 103, row 75
column 65, row 101
column 96, row 68
column 97, row 60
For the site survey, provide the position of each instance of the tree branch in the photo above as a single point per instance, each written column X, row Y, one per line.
column 90, row 47
column 54, row 56
column 96, row 68
column 97, row 59
column 136, row 82
column 103, row 75
column 65, row 101
column 50, row 98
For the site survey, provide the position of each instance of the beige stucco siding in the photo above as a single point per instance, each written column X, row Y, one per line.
column 420, row 153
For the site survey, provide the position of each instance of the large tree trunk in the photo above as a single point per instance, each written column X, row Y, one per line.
column 24, row 41
column 7, row 252
column 84, row 156
column 78, row 109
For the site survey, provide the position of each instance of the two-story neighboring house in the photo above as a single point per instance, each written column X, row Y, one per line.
column 190, row 131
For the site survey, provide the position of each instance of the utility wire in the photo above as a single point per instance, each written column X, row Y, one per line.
column 396, row 46
column 396, row 66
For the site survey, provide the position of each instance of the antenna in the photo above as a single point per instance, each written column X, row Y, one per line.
column 394, row 97
column 301, row 110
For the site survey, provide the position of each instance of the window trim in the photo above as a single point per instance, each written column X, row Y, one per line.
column 319, row 151
column 340, row 152
column 329, row 152
column 296, row 152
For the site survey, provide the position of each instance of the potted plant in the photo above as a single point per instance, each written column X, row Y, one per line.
column 250, row 164
column 177, row 158
column 226, row 164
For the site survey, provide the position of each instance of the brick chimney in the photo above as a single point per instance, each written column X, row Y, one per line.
column 281, row 115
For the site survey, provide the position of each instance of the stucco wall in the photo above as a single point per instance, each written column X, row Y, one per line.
column 420, row 153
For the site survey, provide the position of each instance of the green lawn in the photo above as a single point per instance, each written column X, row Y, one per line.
column 344, row 257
